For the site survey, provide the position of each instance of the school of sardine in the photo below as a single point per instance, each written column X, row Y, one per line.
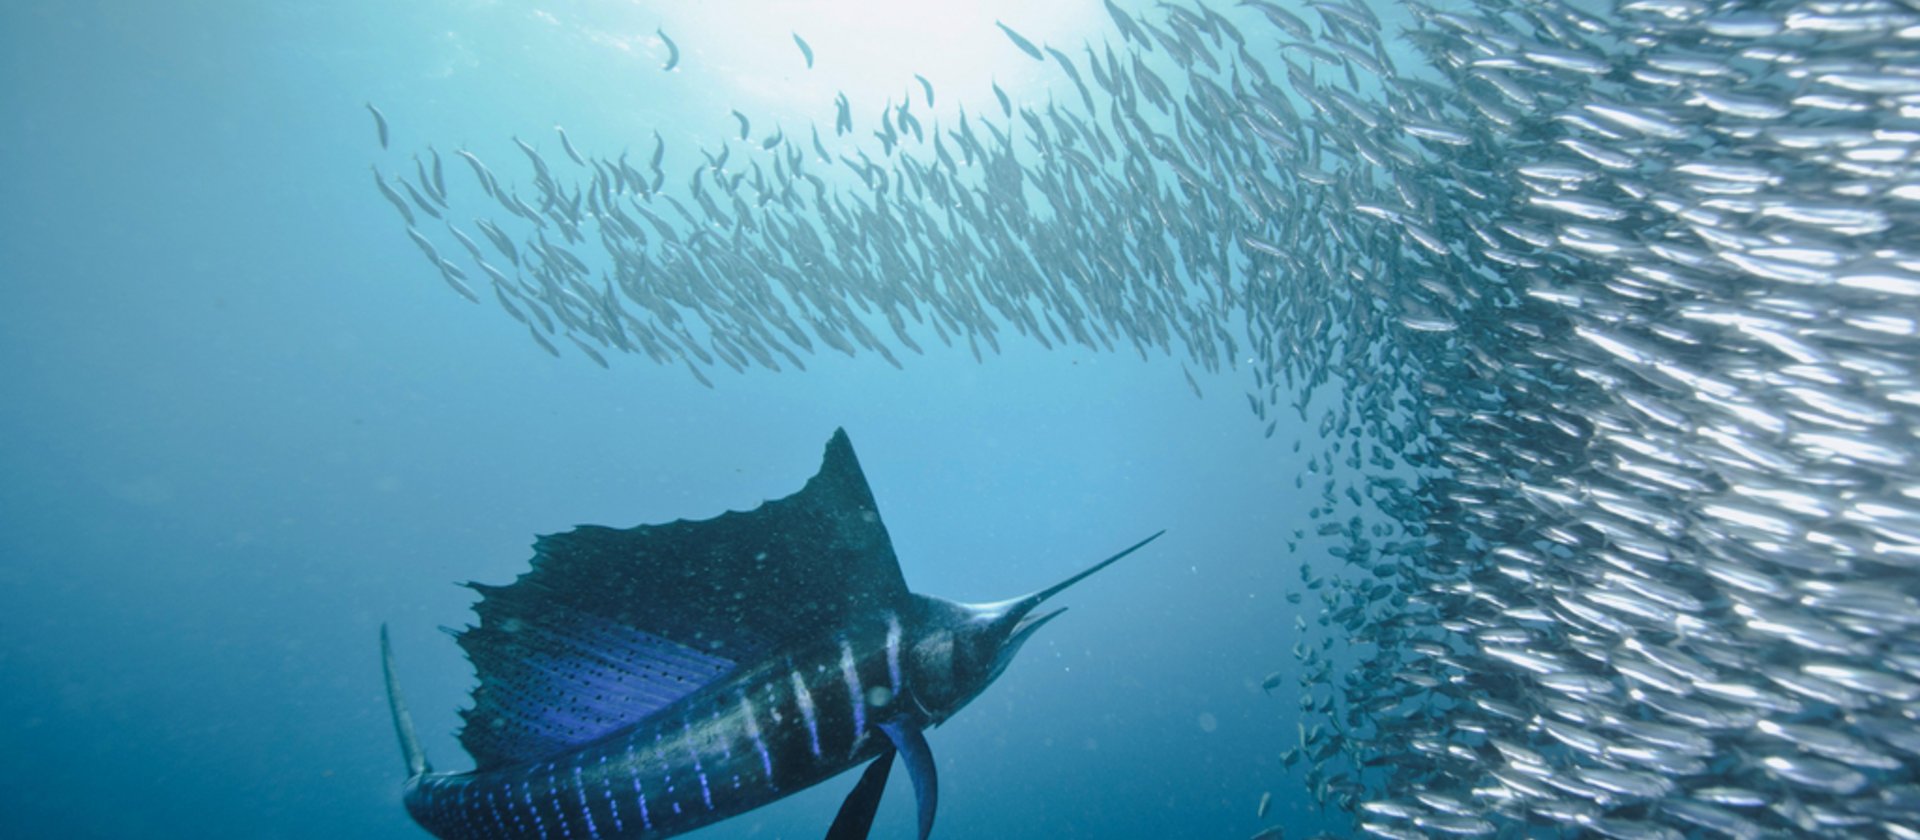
column 1613, row 311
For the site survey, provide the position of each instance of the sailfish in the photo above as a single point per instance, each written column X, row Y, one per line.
column 648, row 681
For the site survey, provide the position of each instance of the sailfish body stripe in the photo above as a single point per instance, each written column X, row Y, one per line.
column 526, row 793
column 553, row 799
column 893, row 653
column 804, row 699
column 533, row 807
column 857, row 700
column 586, row 811
column 640, row 796
column 759, row 743
column 693, row 751
column 613, row 804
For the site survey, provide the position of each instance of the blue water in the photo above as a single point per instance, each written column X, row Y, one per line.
column 244, row 424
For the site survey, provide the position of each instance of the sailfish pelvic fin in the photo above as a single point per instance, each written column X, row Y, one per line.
column 912, row 744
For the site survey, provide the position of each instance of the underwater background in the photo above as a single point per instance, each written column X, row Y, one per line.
column 1526, row 390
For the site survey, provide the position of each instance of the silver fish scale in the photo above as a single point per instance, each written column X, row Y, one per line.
column 1609, row 325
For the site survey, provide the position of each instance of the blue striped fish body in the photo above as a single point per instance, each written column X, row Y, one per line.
column 646, row 682
column 732, row 747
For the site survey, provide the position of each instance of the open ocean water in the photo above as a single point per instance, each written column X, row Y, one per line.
column 1527, row 391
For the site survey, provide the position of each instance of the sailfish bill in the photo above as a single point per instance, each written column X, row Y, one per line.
column 648, row 681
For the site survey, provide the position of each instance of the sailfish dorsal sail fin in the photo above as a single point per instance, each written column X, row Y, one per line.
column 612, row 625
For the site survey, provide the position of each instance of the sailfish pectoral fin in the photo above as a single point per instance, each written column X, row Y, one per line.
column 855, row 819
column 912, row 744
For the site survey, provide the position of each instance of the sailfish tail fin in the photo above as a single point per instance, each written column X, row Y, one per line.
column 402, row 721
